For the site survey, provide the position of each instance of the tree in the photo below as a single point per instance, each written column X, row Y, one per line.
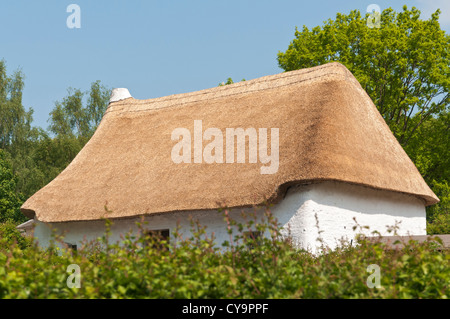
column 429, row 149
column 97, row 103
column 438, row 215
column 72, row 124
column 10, row 201
column 32, row 157
column 17, row 136
column 15, row 124
column 228, row 82
column 35, row 156
column 404, row 66
column 71, row 118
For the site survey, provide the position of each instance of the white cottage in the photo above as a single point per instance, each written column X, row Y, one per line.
column 310, row 141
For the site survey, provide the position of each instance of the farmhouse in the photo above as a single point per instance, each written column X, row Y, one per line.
column 337, row 160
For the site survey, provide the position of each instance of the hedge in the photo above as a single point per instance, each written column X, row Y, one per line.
column 244, row 267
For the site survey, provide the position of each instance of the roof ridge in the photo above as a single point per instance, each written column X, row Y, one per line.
column 240, row 87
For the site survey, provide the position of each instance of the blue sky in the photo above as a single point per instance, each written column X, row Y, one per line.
column 158, row 48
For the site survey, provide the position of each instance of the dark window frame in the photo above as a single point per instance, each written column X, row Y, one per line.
column 156, row 235
column 72, row 246
column 257, row 237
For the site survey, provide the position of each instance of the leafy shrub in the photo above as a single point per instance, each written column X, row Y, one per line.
column 438, row 215
column 10, row 201
column 245, row 267
column 9, row 236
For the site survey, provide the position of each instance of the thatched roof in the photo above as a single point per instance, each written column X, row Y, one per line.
column 329, row 129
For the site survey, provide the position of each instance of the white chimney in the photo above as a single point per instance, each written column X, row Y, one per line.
column 119, row 94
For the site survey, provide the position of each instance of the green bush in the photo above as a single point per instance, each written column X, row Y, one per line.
column 10, row 200
column 10, row 236
column 246, row 267
column 438, row 215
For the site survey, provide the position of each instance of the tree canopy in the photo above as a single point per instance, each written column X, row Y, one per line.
column 10, row 200
column 404, row 65
column 71, row 118
column 35, row 155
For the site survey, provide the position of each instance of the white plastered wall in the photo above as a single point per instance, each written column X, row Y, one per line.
column 332, row 208
column 327, row 206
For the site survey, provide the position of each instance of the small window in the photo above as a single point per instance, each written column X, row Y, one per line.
column 255, row 237
column 71, row 246
column 154, row 238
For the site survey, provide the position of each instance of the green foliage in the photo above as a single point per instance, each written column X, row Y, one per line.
column 49, row 157
column 429, row 148
column 71, row 118
column 438, row 216
column 15, row 121
column 404, row 65
column 32, row 157
column 195, row 267
column 228, row 82
column 11, row 237
column 72, row 121
column 10, row 201
column 36, row 156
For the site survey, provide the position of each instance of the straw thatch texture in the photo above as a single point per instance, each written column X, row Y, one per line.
column 329, row 129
